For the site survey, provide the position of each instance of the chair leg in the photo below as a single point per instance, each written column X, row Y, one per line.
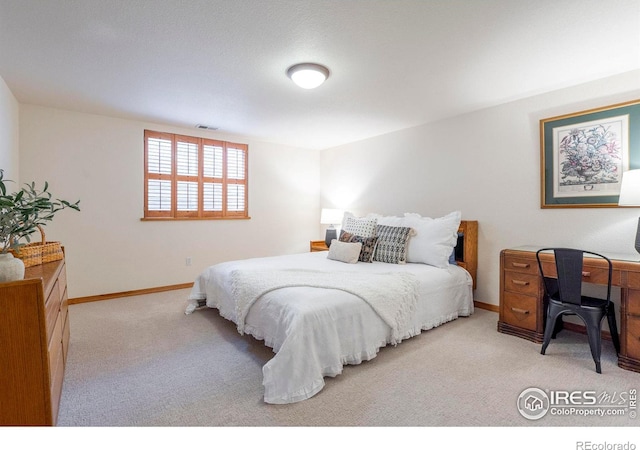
column 552, row 316
column 595, row 343
column 559, row 326
column 613, row 328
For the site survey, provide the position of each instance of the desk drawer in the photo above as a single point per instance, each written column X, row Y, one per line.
column 633, row 337
column 633, row 303
column 633, row 280
column 600, row 275
column 520, row 310
column 590, row 274
column 522, row 265
column 522, row 283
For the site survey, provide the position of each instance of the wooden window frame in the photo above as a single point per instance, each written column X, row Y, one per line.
column 174, row 178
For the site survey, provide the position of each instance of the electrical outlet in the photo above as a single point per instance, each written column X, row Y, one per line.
column 188, row 261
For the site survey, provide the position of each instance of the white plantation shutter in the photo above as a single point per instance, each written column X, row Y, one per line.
column 194, row 178
column 187, row 158
column 187, row 196
column 236, row 178
column 158, row 175
column 159, row 162
column 235, row 197
column 187, row 150
column 235, row 163
column 159, row 195
column 212, row 161
column 159, row 156
column 212, row 196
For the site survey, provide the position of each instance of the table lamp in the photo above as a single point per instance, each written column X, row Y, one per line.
column 630, row 195
column 331, row 217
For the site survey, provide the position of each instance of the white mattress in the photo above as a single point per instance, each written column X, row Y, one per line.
column 315, row 332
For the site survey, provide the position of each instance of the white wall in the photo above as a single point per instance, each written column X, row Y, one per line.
column 99, row 160
column 486, row 164
column 9, row 113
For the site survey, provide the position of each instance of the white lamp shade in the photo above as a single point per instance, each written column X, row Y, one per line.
column 308, row 75
column 630, row 189
column 331, row 216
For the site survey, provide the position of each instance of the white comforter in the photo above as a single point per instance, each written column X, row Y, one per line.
column 316, row 331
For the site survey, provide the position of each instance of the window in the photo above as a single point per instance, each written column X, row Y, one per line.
column 194, row 178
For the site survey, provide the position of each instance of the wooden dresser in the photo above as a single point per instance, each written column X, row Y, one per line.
column 522, row 304
column 34, row 340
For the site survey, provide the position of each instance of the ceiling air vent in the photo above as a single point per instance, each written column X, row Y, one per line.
column 206, row 127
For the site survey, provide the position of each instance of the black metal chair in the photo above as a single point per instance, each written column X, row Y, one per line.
column 564, row 295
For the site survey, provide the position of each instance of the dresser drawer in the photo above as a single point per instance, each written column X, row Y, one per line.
column 62, row 280
column 66, row 336
column 522, row 283
column 52, row 307
column 520, row 264
column 520, row 310
column 64, row 305
column 56, row 366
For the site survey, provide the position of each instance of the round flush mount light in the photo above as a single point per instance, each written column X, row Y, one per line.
column 308, row 75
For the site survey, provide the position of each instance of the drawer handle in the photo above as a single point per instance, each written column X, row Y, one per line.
column 520, row 282
column 520, row 265
column 521, row 311
column 586, row 274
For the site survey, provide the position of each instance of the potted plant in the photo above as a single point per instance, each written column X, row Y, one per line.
column 22, row 213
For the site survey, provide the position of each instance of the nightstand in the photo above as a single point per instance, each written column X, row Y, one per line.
column 318, row 246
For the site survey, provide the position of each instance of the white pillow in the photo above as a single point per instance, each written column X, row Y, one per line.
column 347, row 252
column 434, row 239
column 390, row 221
column 360, row 226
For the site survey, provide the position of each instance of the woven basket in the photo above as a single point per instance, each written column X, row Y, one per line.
column 39, row 252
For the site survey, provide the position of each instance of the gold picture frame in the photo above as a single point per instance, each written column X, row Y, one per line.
column 584, row 154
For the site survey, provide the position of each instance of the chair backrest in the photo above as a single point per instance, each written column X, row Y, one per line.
column 569, row 267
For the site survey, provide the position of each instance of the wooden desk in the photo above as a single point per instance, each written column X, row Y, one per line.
column 522, row 305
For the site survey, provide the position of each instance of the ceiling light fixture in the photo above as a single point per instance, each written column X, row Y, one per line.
column 308, row 75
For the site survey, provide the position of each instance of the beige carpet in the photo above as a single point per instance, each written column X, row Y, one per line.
column 140, row 361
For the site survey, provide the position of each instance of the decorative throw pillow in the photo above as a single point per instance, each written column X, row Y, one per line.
column 368, row 245
column 347, row 252
column 359, row 226
column 392, row 244
column 435, row 239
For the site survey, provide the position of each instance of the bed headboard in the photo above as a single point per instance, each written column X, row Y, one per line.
column 466, row 250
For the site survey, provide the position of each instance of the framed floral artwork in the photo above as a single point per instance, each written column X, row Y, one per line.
column 584, row 154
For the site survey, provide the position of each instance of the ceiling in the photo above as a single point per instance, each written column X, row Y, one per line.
column 394, row 63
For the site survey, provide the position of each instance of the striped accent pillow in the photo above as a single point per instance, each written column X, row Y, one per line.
column 392, row 244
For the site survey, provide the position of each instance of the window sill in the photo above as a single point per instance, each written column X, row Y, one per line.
column 169, row 219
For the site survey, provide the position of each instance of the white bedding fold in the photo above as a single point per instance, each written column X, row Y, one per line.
column 395, row 304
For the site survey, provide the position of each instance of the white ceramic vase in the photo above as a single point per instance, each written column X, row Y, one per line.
column 11, row 269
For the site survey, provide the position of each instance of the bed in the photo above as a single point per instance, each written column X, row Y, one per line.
column 319, row 313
